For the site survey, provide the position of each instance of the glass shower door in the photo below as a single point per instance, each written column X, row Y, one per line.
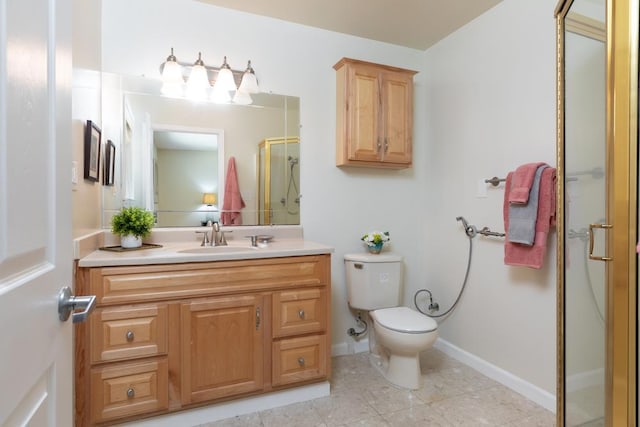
column 585, row 197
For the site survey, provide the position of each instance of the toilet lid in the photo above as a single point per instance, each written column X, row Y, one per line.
column 404, row 319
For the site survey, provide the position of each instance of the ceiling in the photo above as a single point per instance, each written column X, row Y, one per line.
column 416, row 24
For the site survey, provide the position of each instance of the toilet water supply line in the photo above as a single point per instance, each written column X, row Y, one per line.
column 471, row 232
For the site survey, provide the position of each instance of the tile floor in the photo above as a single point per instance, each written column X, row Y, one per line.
column 453, row 395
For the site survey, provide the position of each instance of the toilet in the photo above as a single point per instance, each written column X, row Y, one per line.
column 374, row 284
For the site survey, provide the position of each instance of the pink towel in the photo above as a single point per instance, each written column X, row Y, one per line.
column 532, row 256
column 522, row 181
column 232, row 198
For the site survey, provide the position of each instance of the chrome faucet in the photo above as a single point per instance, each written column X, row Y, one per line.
column 217, row 235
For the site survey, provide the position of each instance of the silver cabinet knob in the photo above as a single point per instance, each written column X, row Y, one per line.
column 301, row 314
column 131, row 393
column 301, row 361
column 130, row 336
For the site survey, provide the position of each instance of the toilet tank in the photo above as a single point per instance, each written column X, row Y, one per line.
column 373, row 280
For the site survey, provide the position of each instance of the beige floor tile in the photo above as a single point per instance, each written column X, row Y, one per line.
column 417, row 415
column 343, row 409
column 249, row 420
column 299, row 414
column 453, row 395
column 495, row 406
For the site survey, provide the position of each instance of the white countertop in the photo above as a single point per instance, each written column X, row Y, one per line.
column 170, row 252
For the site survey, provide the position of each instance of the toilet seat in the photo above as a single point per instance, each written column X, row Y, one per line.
column 404, row 320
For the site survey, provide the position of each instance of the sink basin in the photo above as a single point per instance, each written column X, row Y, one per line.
column 214, row 250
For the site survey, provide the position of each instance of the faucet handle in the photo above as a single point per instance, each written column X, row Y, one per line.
column 223, row 239
column 254, row 240
column 205, row 237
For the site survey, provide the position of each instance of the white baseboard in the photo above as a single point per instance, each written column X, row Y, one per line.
column 517, row 384
column 351, row 347
column 207, row 414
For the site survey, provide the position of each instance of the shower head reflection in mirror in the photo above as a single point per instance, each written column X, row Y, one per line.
column 138, row 99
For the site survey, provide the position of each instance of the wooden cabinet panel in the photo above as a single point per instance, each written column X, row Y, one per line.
column 299, row 359
column 364, row 131
column 398, row 117
column 299, row 312
column 374, row 115
column 131, row 388
column 128, row 332
column 125, row 285
column 222, row 347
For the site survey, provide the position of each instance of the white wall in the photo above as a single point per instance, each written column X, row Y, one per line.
column 484, row 103
column 85, row 96
column 491, row 107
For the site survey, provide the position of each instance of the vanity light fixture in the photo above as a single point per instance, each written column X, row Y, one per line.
column 198, row 82
column 249, row 83
column 172, row 80
column 225, row 81
column 208, row 199
column 200, row 78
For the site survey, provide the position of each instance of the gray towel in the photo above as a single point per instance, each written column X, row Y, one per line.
column 522, row 218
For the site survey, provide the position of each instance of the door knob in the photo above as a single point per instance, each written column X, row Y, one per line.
column 67, row 303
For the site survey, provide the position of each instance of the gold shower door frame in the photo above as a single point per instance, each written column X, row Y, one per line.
column 264, row 193
column 621, row 211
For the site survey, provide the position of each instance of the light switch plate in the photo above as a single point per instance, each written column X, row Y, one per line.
column 74, row 174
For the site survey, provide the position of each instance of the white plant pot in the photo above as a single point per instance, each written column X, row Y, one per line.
column 130, row 241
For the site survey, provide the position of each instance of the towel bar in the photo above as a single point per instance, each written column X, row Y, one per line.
column 494, row 181
column 486, row 232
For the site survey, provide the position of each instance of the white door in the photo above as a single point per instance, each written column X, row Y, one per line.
column 36, row 376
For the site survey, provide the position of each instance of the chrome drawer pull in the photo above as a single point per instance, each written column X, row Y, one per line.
column 301, row 314
column 301, row 361
column 130, row 336
column 131, row 393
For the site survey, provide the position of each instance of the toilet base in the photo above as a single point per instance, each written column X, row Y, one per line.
column 404, row 371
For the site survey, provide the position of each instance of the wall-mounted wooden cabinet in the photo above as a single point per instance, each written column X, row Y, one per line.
column 374, row 115
column 175, row 336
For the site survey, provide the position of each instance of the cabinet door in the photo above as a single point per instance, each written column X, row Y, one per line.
column 363, row 105
column 397, row 117
column 222, row 347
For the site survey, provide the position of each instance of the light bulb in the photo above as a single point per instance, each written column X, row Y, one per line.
column 249, row 83
column 198, row 82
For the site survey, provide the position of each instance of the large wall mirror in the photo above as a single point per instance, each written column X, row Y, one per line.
column 173, row 156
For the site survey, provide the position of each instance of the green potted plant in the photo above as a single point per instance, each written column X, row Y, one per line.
column 375, row 240
column 132, row 224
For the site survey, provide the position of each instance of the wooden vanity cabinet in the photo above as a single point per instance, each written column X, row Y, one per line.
column 175, row 336
column 374, row 115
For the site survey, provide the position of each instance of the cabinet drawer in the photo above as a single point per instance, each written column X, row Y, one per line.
column 126, row 285
column 299, row 359
column 128, row 332
column 127, row 389
column 299, row 311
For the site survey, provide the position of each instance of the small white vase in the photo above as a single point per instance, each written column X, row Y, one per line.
column 130, row 241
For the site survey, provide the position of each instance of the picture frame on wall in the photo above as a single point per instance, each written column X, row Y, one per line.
column 109, row 163
column 92, row 139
